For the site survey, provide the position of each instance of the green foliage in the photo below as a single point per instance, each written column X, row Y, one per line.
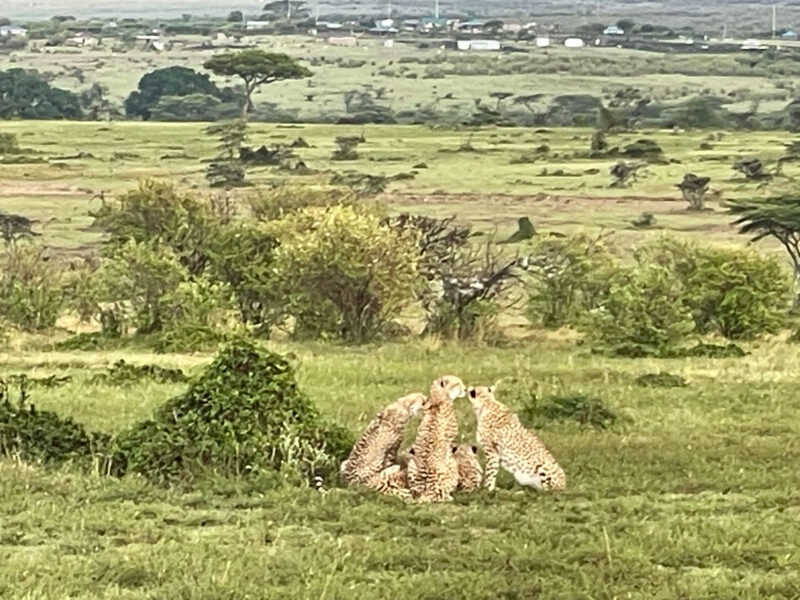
column 150, row 100
column 733, row 291
column 124, row 373
column 32, row 292
column 227, row 169
column 279, row 202
column 195, row 317
column 242, row 416
column 661, row 380
column 343, row 273
column 141, row 275
column 587, row 410
column 643, row 314
column 157, row 212
column 36, row 435
column 256, row 68
column 713, row 351
column 568, row 277
column 243, row 261
column 25, row 95
column 193, row 107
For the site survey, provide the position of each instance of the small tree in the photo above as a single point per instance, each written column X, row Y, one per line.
column 568, row 277
column 694, row 190
column 342, row 273
column 776, row 217
column 753, row 169
column 228, row 169
column 624, row 173
column 32, row 290
column 347, row 147
column 255, row 68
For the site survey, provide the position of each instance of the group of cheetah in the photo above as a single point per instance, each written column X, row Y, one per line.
column 434, row 467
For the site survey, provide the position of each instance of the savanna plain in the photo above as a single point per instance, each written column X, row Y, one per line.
column 692, row 491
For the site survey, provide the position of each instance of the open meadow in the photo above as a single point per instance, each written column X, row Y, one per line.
column 690, row 492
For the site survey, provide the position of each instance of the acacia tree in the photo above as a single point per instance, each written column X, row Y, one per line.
column 777, row 217
column 256, row 68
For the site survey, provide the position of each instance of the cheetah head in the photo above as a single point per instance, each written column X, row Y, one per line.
column 447, row 387
column 411, row 403
column 479, row 396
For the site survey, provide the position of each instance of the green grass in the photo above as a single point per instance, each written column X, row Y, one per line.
column 481, row 187
column 694, row 496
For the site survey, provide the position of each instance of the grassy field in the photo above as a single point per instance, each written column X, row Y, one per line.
column 562, row 190
column 692, row 495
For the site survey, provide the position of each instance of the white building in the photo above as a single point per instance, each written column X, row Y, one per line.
column 542, row 41
column 256, row 25
column 479, row 45
column 13, row 30
column 574, row 43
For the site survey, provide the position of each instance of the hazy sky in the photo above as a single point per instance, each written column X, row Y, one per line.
column 28, row 9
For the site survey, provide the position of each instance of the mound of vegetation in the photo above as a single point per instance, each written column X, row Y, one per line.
column 662, row 380
column 121, row 373
column 244, row 415
column 714, row 351
column 42, row 436
column 586, row 410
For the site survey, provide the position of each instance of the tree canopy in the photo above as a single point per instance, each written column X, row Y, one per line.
column 256, row 68
column 24, row 94
column 171, row 82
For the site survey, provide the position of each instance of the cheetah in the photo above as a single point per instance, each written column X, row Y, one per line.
column 372, row 460
column 470, row 472
column 507, row 443
column 432, row 467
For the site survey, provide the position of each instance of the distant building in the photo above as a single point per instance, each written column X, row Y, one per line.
column 512, row 27
column 256, row 25
column 346, row 41
column 790, row 35
column 82, row 40
column 753, row 45
column 13, row 30
column 473, row 26
column 613, row 30
column 574, row 43
column 478, row 45
column 542, row 41
column 432, row 23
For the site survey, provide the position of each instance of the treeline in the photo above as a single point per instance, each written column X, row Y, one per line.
column 182, row 273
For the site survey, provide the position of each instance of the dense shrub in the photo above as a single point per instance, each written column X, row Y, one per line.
column 734, row 291
column 140, row 276
column 661, row 380
column 124, row 373
column 193, row 107
column 172, row 82
column 32, row 292
column 157, row 212
column 587, row 410
column 284, row 200
column 38, row 435
column 343, row 273
column 26, row 95
column 568, row 277
column 643, row 315
column 242, row 416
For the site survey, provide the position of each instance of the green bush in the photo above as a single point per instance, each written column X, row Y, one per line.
column 242, row 416
column 157, row 212
column 661, row 380
column 643, row 315
column 32, row 287
column 139, row 276
column 568, row 277
column 586, row 410
column 195, row 317
column 38, row 435
column 123, row 373
column 284, row 200
column 343, row 273
column 734, row 291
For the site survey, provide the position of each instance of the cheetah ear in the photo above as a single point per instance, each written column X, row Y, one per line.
column 491, row 389
column 411, row 451
column 441, row 382
column 473, row 393
column 474, row 449
column 455, row 449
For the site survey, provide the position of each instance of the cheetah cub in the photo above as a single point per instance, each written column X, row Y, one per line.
column 432, row 467
column 372, row 461
column 507, row 443
column 470, row 472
